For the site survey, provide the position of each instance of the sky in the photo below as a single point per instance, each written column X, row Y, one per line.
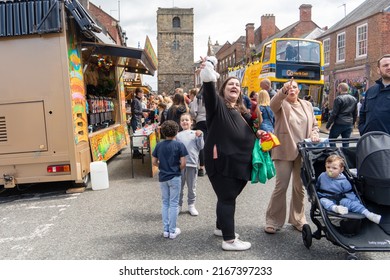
column 217, row 19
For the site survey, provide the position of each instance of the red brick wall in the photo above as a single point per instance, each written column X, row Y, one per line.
column 107, row 21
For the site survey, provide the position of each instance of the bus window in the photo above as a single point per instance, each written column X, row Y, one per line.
column 267, row 53
column 287, row 50
column 309, row 52
column 315, row 53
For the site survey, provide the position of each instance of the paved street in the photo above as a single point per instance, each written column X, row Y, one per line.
column 123, row 222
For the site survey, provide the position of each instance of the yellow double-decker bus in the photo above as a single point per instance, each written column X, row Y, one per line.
column 283, row 58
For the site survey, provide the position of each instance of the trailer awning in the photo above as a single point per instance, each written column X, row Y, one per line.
column 136, row 60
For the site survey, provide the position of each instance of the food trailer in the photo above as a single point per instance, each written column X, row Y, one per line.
column 62, row 97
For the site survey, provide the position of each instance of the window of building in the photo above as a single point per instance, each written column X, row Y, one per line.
column 340, row 56
column 326, row 44
column 175, row 44
column 176, row 22
column 361, row 40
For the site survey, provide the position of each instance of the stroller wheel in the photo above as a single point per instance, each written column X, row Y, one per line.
column 307, row 236
column 351, row 256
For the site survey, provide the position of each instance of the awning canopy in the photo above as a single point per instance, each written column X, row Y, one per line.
column 136, row 61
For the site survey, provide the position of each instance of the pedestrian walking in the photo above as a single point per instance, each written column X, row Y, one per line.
column 343, row 115
column 169, row 157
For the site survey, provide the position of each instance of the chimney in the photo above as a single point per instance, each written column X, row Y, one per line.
column 250, row 34
column 305, row 12
column 268, row 27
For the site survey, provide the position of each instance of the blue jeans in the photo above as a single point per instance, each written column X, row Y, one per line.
column 170, row 193
column 345, row 130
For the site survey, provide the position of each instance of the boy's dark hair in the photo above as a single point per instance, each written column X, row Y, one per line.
column 169, row 128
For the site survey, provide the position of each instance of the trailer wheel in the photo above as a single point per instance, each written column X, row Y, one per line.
column 81, row 185
column 307, row 236
column 86, row 179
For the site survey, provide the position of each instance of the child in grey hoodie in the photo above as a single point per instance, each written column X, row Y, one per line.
column 194, row 142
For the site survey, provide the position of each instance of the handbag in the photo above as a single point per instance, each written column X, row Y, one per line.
column 269, row 141
column 263, row 167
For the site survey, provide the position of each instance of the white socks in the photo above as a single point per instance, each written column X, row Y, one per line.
column 369, row 215
column 372, row 216
column 340, row 209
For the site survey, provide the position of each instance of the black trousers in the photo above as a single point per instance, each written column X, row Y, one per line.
column 202, row 126
column 227, row 190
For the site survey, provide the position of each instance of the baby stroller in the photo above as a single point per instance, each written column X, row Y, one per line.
column 352, row 231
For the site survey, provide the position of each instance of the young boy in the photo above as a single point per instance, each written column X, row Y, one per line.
column 193, row 141
column 169, row 157
column 335, row 191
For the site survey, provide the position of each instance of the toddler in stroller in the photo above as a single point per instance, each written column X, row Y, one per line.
column 369, row 187
column 335, row 191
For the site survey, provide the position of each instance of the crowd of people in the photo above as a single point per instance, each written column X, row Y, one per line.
column 211, row 131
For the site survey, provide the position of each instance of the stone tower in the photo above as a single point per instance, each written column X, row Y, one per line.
column 175, row 48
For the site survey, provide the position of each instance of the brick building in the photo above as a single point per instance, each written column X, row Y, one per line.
column 303, row 28
column 247, row 49
column 353, row 45
column 175, row 48
column 230, row 55
column 113, row 29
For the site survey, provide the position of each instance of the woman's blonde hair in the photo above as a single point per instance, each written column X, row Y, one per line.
column 263, row 98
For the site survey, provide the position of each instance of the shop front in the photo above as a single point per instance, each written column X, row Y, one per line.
column 355, row 77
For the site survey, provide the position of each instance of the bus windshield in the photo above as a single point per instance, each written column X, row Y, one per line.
column 299, row 51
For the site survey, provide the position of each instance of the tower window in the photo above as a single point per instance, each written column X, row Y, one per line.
column 175, row 45
column 176, row 22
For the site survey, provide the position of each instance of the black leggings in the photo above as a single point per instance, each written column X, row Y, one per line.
column 202, row 126
column 227, row 189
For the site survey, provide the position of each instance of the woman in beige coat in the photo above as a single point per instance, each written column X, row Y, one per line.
column 294, row 121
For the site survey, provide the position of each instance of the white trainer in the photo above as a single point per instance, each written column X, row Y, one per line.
column 236, row 245
column 192, row 210
column 175, row 234
column 218, row 232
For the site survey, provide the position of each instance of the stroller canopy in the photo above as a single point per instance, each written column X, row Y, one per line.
column 373, row 155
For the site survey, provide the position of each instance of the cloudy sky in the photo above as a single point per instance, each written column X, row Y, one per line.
column 217, row 19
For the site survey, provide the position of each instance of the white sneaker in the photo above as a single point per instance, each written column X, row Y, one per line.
column 192, row 210
column 218, row 232
column 174, row 235
column 236, row 245
column 165, row 234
